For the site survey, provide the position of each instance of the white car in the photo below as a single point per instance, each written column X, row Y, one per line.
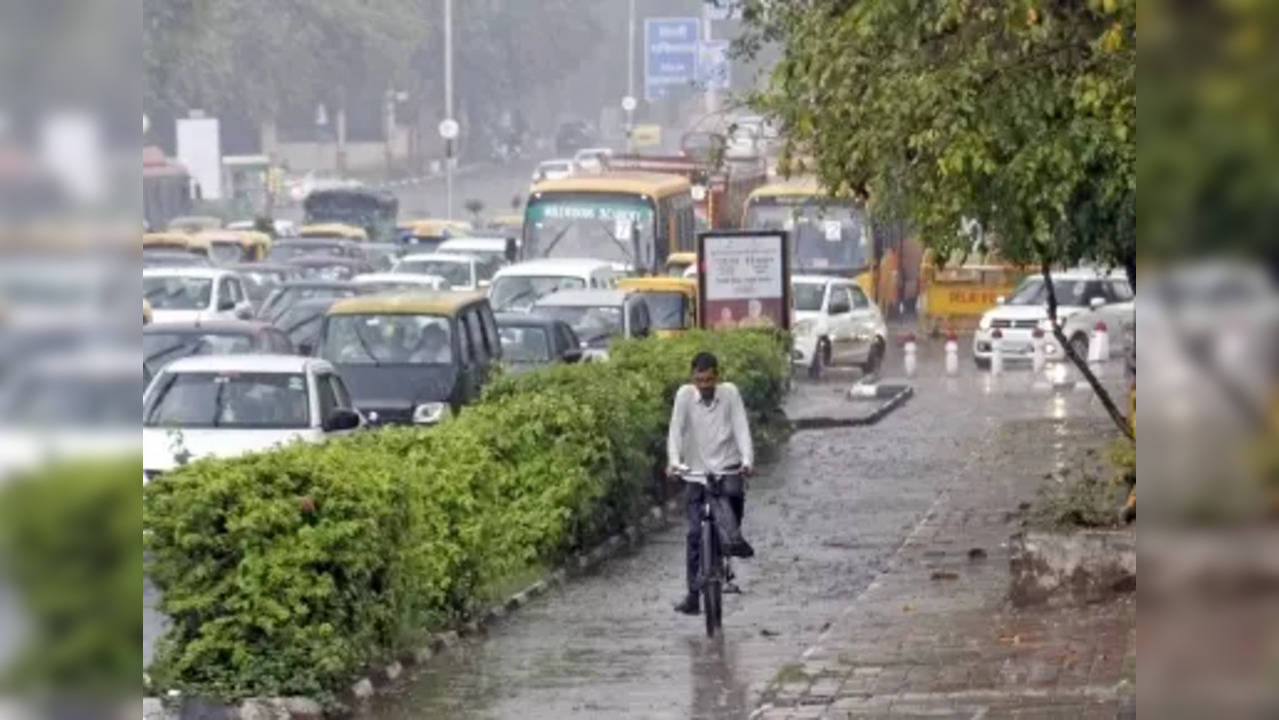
column 592, row 159
column 494, row 251
column 835, row 324
column 398, row 282
column 195, row 294
column 1119, row 319
column 460, row 272
column 228, row 405
column 517, row 287
column 553, row 170
column 1017, row 317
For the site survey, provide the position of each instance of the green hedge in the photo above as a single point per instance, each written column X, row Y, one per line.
column 285, row 572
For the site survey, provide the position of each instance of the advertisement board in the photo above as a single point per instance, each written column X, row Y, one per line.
column 744, row 279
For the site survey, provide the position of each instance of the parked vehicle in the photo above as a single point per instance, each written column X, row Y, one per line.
column 195, row 294
column 531, row 341
column 395, row 282
column 517, row 287
column 321, row 267
column 1017, row 316
column 461, row 272
column 162, row 344
column 283, row 297
column 412, row 358
column 1119, row 317
column 598, row 316
column 835, row 324
column 227, row 405
column 672, row 302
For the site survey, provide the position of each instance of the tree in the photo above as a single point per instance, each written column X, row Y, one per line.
column 1018, row 114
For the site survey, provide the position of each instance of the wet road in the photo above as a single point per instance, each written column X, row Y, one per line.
column 824, row 517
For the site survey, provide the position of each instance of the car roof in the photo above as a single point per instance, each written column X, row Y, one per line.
column 599, row 297
column 555, row 266
column 214, row 326
column 475, row 243
column 262, row 362
column 1086, row 273
column 425, row 303
column 421, row 278
column 193, row 272
column 458, row 258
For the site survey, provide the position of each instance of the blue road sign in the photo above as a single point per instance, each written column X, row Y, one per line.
column 671, row 47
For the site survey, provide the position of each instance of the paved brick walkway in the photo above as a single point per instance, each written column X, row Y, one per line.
column 933, row 636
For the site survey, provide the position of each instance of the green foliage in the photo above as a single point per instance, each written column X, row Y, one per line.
column 1020, row 115
column 70, row 542
column 286, row 571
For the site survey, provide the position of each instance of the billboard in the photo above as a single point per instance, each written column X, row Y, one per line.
column 671, row 49
column 744, row 279
column 200, row 150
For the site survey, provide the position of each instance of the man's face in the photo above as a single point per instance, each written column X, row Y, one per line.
column 704, row 381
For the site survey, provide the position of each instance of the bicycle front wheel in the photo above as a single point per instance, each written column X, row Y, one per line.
column 712, row 583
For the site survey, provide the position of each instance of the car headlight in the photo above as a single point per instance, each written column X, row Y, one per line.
column 984, row 323
column 430, row 413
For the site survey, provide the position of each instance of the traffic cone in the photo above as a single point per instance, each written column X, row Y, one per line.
column 908, row 354
column 996, row 352
column 1099, row 347
column 952, row 354
column 1037, row 351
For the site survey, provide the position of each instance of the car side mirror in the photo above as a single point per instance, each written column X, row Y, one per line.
column 1096, row 302
column 572, row 355
column 341, row 419
column 485, row 283
column 306, row 348
column 244, row 310
column 226, row 304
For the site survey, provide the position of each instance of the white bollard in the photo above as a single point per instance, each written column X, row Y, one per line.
column 1099, row 346
column 1037, row 351
column 908, row 354
column 952, row 354
column 996, row 352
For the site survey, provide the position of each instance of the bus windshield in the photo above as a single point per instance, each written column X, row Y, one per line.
column 589, row 225
column 826, row 233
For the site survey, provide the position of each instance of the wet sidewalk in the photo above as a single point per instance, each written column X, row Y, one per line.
column 934, row 635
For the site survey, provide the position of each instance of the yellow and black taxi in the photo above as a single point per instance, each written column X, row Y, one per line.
column 672, row 301
column 412, row 358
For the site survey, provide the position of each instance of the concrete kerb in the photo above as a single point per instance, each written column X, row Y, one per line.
column 364, row 687
column 895, row 394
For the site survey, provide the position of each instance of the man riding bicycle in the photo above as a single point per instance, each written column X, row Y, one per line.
column 709, row 433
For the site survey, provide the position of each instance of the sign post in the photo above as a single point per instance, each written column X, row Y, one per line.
column 744, row 279
column 671, row 48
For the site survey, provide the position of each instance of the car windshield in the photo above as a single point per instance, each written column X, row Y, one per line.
column 159, row 349
column 666, row 309
column 454, row 273
column 808, row 296
column 390, row 338
column 596, row 226
column 229, row 400
column 592, row 324
column 225, row 252
column 525, row 344
column 519, row 292
column 177, row 293
column 1033, row 292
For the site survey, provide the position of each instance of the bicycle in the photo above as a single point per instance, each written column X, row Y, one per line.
column 712, row 572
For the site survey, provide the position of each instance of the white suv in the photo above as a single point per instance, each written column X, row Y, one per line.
column 1017, row 317
column 835, row 324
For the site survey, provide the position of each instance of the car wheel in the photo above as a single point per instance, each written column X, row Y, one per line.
column 821, row 359
column 1079, row 343
column 875, row 358
column 982, row 363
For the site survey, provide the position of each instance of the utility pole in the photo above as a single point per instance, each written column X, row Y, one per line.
column 630, row 70
column 448, row 105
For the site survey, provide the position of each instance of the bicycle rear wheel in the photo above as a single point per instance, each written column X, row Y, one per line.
column 712, row 583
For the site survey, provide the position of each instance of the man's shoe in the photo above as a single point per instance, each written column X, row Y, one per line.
column 730, row 588
column 689, row 606
column 741, row 549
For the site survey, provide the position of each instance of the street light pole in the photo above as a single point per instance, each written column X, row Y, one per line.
column 448, row 104
column 630, row 66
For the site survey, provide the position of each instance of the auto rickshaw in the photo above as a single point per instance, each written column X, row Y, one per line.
column 181, row 242
column 235, row 246
column 342, row 230
column 677, row 263
column 426, row 234
column 672, row 302
column 193, row 224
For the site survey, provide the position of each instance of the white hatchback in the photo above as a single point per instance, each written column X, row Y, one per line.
column 228, row 405
column 835, row 324
column 460, row 271
column 195, row 294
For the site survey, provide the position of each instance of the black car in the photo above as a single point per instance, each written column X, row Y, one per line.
column 162, row 343
column 530, row 341
column 572, row 136
column 286, row 249
column 412, row 358
column 283, row 297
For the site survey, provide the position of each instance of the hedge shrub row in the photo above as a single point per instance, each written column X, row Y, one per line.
column 285, row 572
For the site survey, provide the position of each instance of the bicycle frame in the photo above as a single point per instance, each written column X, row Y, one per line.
column 711, row 571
